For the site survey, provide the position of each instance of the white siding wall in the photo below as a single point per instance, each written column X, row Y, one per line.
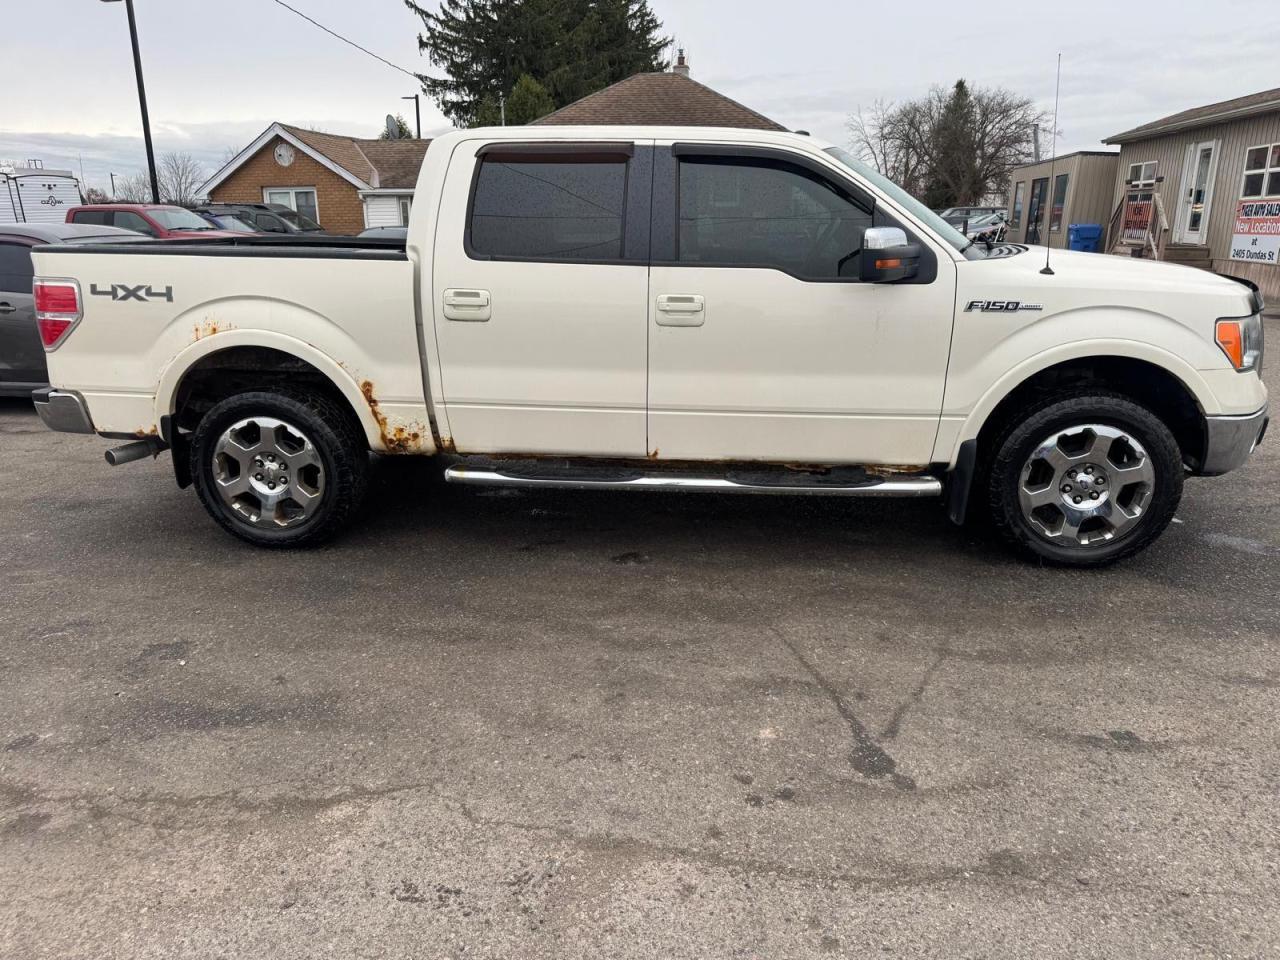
column 382, row 211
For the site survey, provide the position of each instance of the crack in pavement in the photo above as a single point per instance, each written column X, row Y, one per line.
column 868, row 757
column 894, row 726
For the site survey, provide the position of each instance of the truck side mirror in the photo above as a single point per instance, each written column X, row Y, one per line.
column 887, row 257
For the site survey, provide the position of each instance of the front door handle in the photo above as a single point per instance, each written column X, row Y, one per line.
column 467, row 305
column 681, row 310
column 7, row 307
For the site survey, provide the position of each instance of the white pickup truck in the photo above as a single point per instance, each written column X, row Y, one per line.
column 662, row 309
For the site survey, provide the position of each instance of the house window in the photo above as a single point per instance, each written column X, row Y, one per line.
column 1142, row 174
column 1019, row 194
column 405, row 205
column 1059, row 203
column 300, row 199
column 1262, row 172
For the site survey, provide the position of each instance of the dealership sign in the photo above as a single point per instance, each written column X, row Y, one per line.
column 1256, row 237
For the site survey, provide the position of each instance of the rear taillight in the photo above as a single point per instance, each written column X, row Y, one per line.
column 57, row 309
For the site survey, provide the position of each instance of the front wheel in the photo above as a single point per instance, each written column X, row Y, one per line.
column 1085, row 481
column 279, row 469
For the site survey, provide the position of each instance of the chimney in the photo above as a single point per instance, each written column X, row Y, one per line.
column 681, row 65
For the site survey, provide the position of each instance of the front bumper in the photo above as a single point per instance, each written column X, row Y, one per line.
column 62, row 410
column 1230, row 440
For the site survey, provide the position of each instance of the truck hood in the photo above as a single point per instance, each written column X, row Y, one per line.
column 1090, row 280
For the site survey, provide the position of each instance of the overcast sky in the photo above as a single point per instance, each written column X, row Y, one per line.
column 219, row 71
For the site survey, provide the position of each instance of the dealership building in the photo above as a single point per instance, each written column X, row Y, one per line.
column 1207, row 181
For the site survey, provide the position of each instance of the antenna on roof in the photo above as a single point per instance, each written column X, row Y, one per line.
column 1053, row 158
column 393, row 128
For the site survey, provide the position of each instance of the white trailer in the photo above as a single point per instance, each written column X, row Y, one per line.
column 32, row 194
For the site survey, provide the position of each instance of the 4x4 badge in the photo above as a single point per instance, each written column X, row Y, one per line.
column 123, row 291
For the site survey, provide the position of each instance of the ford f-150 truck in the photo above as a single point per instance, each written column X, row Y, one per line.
column 648, row 308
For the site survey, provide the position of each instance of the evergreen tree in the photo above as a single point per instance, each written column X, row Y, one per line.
column 529, row 100
column 569, row 47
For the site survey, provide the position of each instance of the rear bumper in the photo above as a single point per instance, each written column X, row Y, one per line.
column 1230, row 440
column 62, row 410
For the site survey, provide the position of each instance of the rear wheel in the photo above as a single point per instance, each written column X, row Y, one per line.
column 279, row 469
column 1085, row 481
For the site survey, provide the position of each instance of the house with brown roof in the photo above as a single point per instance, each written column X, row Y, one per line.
column 343, row 183
column 661, row 99
column 1203, row 187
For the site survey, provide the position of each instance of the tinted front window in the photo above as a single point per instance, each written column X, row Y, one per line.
column 128, row 220
column 549, row 208
column 15, row 268
column 770, row 214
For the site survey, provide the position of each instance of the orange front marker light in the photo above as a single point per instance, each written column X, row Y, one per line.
column 888, row 264
column 1230, row 337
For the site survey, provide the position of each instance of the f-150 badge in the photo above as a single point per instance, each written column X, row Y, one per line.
column 124, row 291
column 1001, row 306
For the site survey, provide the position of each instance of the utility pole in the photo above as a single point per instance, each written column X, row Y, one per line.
column 113, row 185
column 142, row 100
column 417, row 112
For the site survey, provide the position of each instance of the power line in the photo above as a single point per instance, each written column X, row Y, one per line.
column 316, row 23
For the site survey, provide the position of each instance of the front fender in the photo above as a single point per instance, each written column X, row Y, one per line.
column 988, row 363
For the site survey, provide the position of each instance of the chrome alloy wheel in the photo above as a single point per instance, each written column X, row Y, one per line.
column 1086, row 485
column 268, row 473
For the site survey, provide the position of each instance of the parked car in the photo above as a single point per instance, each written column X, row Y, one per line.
column 664, row 308
column 385, row 233
column 967, row 213
column 990, row 228
column 228, row 221
column 22, row 360
column 161, row 221
column 266, row 217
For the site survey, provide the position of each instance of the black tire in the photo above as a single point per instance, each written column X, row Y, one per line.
column 333, row 433
column 1018, row 440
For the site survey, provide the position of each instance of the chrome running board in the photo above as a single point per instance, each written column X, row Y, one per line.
column 905, row 486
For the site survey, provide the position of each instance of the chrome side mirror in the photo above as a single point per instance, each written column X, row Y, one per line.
column 887, row 255
column 882, row 238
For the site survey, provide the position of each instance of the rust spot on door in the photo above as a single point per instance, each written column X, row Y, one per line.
column 403, row 438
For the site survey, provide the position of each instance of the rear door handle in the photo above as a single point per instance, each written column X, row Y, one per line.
column 467, row 305
column 7, row 307
column 681, row 310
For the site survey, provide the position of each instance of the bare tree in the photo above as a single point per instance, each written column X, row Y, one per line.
column 94, row 195
column 951, row 147
column 135, row 188
column 181, row 176
column 879, row 139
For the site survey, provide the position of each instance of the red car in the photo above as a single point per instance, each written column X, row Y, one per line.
column 163, row 221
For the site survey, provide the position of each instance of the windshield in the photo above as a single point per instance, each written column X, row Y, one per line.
column 909, row 203
column 298, row 220
column 233, row 223
column 175, row 218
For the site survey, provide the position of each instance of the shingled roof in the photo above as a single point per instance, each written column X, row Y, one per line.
column 1251, row 105
column 660, row 99
column 367, row 164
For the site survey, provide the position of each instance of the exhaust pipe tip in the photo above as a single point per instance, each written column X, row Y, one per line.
column 129, row 452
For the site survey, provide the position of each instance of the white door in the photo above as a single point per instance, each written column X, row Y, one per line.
column 762, row 343
column 538, row 286
column 1197, row 192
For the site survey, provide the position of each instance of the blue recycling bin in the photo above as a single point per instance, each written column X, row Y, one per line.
column 1085, row 236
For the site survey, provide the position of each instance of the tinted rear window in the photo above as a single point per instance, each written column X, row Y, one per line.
column 537, row 207
column 15, row 268
column 101, row 218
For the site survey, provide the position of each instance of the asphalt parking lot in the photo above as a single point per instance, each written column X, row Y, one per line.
column 516, row 725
